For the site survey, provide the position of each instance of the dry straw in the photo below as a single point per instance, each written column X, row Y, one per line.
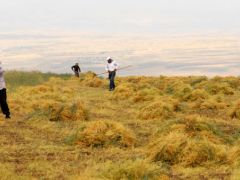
column 106, row 133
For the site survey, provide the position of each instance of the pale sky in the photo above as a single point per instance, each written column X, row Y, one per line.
column 176, row 37
column 122, row 16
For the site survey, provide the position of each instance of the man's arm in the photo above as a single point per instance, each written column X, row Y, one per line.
column 116, row 65
column 1, row 70
column 107, row 68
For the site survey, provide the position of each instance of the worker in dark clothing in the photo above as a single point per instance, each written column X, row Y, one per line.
column 111, row 68
column 76, row 69
column 3, row 95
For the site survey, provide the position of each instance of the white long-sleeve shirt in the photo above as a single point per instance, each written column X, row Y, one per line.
column 2, row 81
column 112, row 66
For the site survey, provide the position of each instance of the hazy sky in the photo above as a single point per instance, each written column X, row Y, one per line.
column 122, row 16
column 49, row 35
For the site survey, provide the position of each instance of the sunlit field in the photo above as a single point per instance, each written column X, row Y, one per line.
column 148, row 128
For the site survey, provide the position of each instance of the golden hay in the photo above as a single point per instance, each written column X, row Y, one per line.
column 95, row 82
column 220, row 88
column 178, row 148
column 42, row 89
column 157, row 110
column 145, row 95
column 68, row 111
column 194, row 137
column 200, row 127
column 209, row 107
column 54, row 98
column 211, row 104
column 124, row 91
column 196, row 95
column 128, row 169
column 178, row 88
column 233, row 155
column 235, row 112
column 166, row 149
column 91, row 80
column 106, row 133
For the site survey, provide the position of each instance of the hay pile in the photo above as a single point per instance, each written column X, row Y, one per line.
column 90, row 79
column 178, row 89
column 178, row 148
column 106, row 133
column 235, row 112
column 196, row 95
column 127, row 169
column 158, row 110
column 53, row 100
column 212, row 104
column 72, row 111
column 124, row 91
column 147, row 94
column 220, row 88
column 209, row 107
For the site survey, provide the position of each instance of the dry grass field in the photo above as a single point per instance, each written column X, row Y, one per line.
column 169, row 128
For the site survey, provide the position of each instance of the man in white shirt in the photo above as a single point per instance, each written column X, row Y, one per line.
column 111, row 68
column 3, row 94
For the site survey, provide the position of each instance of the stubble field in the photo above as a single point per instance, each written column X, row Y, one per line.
column 148, row 128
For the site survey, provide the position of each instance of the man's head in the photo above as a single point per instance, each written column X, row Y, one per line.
column 109, row 60
column 76, row 64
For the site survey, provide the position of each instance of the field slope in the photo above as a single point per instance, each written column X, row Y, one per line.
column 148, row 128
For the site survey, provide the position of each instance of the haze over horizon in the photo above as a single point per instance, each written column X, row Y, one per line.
column 157, row 36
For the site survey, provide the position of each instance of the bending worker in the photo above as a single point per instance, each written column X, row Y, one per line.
column 3, row 94
column 111, row 68
column 76, row 69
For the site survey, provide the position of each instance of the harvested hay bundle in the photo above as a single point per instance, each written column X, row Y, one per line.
column 127, row 170
column 95, row 82
column 168, row 148
column 157, row 110
column 196, row 126
column 233, row 154
column 210, row 107
column 49, row 99
column 234, row 82
column 42, row 89
column 178, row 88
column 106, row 133
column 178, row 148
column 196, row 95
column 124, row 91
column 195, row 80
column 67, row 112
column 220, row 88
column 215, row 86
column 91, row 80
column 212, row 104
column 145, row 95
column 197, row 153
column 235, row 112
column 133, row 79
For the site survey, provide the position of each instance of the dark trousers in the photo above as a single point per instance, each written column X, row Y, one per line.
column 112, row 75
column 77, row 74
column 3, row 102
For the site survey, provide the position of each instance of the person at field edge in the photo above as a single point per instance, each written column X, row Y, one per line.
column 3, row 94
column 111, row 68
column 76, row 69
